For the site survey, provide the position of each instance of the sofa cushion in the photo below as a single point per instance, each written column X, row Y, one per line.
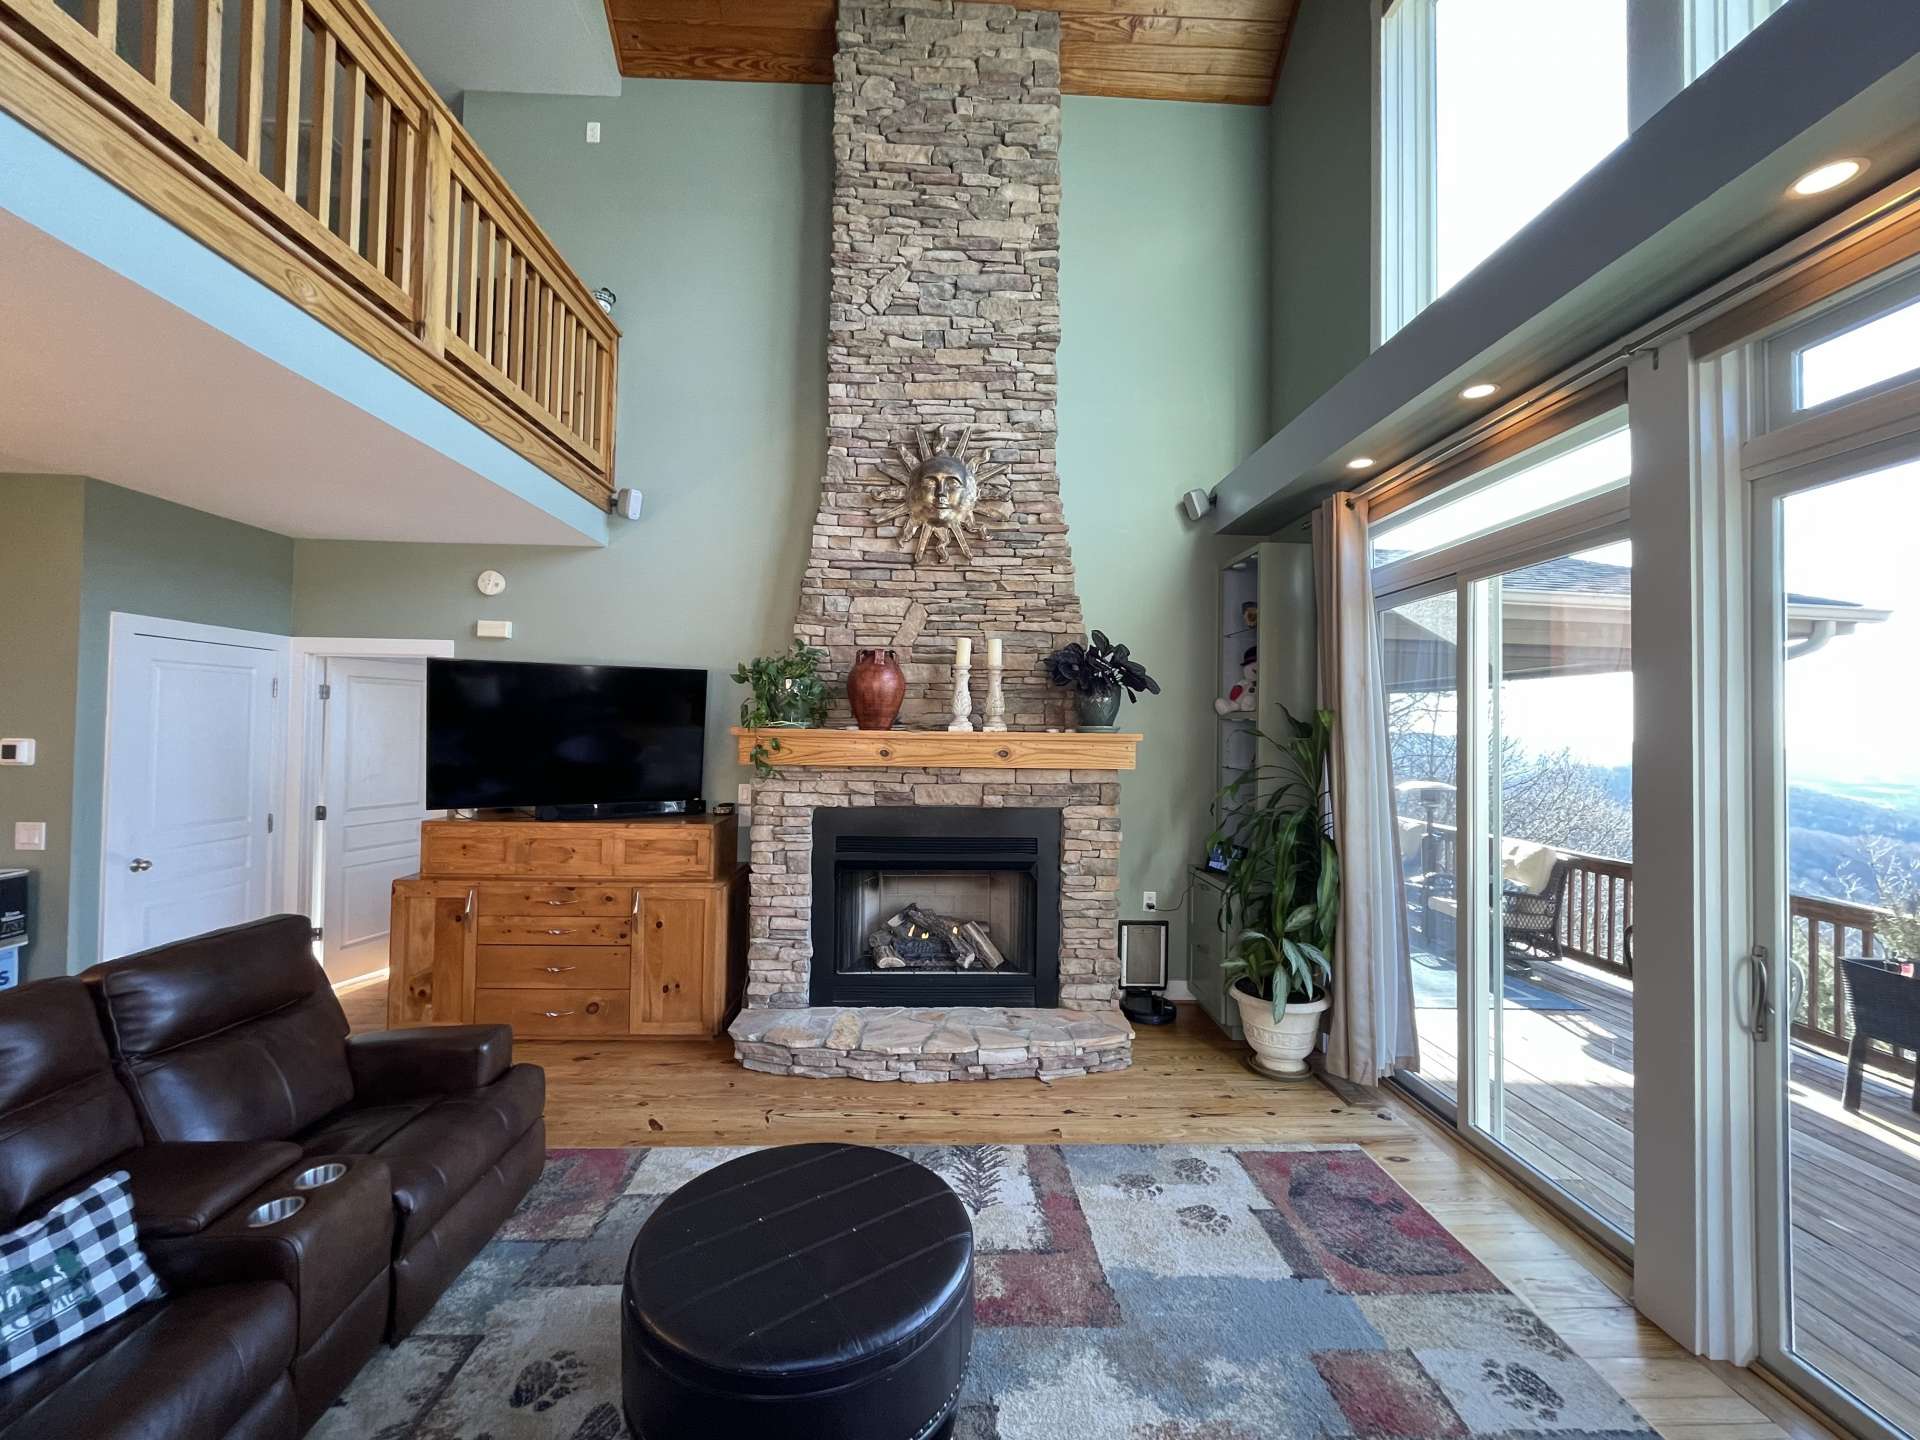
column 235, row 1035
column 62, row 1113
column 442, row 1148
column 359, row 1131
column 196, row 1362
column 1527, row 865
column 72, row 1270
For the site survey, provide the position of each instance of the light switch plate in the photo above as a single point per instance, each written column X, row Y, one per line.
column 493, row 629
column 29, row 834
column 16, row 752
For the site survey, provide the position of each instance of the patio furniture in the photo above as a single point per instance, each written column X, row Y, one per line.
column 1885, row 1005
column 1536, row 877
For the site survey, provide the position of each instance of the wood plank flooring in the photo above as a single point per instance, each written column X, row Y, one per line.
column 1187, row 1083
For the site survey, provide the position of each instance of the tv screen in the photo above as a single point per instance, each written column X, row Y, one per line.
column 505, row 734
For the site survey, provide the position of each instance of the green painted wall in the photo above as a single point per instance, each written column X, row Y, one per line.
column 39, row 648
column 706, row 207
column 1163, row 387
column 1322, row 204
column 89, row 549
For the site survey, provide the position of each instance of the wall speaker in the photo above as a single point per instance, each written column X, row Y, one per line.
column 1197, row 503
column 1143, row 972
column 626, row 504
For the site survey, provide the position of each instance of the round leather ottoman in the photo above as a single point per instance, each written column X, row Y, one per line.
column 810, row 1292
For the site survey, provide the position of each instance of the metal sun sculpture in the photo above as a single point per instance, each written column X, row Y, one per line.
column 943, row 503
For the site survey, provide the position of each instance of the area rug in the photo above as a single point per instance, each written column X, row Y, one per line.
column 1123, row 1292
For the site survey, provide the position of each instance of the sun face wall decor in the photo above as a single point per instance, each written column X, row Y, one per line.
column 943, row 502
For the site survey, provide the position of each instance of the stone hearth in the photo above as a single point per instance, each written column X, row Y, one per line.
column 975, row 1043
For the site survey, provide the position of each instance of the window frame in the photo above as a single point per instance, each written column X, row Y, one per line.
column 1777, row 362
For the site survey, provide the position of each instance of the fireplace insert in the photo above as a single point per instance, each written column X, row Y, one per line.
column 936, row 905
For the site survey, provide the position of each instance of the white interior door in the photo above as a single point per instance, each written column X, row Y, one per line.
column 193, row 727
column 374, row 788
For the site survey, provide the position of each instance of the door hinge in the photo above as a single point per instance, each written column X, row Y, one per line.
column 326, row 691
column 269, row 822
column 274, row 694
column 319, row 812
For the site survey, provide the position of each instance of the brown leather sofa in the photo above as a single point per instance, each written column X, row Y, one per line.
column 218, row 1072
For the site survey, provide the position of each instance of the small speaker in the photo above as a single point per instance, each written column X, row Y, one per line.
column 626, row 504
column 1197, row 503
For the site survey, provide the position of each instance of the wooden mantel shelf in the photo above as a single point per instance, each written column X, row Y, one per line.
column 943, row 749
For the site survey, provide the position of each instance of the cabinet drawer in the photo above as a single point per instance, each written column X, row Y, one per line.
column 525, row 900
column 679, row 853
column 533, row 1013
column 554, row 930
column 551, row 967
column 471, row 847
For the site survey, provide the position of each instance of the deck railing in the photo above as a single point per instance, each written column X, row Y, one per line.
column 302, row 120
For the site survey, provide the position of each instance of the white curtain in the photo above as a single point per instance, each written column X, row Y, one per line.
column 1371, row 1030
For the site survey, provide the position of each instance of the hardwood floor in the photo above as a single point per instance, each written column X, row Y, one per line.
column 1187, row 1083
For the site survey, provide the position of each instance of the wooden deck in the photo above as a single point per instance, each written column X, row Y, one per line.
column 1854, row 1181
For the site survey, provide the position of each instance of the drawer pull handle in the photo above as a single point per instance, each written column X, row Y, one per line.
column 556, row 932
column 558, row 969
column 467, row 914
column 556, row 1014
column 636, row 905
column 559, row 902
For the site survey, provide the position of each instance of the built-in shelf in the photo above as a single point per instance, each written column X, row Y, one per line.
column 942, row 749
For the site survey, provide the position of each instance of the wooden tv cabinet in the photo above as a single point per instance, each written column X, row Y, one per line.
column 572, row 930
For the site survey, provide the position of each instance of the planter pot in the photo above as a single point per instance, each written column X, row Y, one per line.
column 1096, row 709
column 1280, row 1049
column 875, row 688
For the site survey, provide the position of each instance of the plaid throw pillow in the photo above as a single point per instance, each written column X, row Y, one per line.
column 69, row 1272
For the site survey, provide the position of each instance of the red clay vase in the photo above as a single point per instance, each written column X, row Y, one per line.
column 875, row 689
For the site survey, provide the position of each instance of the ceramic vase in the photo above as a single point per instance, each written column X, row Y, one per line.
column 1280, row 1047
column 875, row 689
column 1097, row 709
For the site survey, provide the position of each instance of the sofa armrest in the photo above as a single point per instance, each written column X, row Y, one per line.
column 390, row 1065
column 182, row 1187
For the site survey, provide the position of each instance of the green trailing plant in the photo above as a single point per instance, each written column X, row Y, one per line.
column 1282, row 882
column 782, row 690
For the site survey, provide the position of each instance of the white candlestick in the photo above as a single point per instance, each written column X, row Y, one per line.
column 962, row 699
column 963, row 652
column 993, row 652
column 996, row 711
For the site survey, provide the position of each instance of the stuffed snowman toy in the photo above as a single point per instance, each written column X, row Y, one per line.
column 1244, row 695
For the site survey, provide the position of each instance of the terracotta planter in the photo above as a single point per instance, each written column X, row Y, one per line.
column 875, row 689
column 1280, row 1048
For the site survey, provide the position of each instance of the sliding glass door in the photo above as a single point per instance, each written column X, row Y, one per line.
column 1504, row 629
column 1836, row 1008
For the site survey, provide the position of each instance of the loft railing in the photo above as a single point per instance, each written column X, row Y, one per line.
column 302, row 120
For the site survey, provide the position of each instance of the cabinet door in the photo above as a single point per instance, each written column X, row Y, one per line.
column 432, row 955
column 670, row 965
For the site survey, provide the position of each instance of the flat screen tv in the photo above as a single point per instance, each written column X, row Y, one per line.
column 566, row 741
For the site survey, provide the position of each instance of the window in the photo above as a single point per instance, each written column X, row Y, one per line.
column 1492, row 109
column 1845, row 351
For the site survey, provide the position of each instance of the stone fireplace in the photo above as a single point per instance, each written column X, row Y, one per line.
column 945, row 311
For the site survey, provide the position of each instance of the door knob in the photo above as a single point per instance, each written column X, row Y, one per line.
column 140, row 867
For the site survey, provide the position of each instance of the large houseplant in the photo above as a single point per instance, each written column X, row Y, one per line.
column 1282, row 892
column 785, row 691
column 1097, row 673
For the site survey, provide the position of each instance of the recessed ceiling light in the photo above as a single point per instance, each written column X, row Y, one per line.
column 1360, row 462
column 1827, row 177
column 1478, row 392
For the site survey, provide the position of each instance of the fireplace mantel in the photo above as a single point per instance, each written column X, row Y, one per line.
column 942, row 749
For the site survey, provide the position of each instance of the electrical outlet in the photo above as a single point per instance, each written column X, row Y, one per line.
column 593, row 132
column 1149, row 899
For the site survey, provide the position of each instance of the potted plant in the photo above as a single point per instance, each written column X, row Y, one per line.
column 785, row 692
column 1097, row 673
column 1282, row 894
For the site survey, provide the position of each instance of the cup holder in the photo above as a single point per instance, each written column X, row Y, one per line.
column 315, row 1176
column 274, row 1211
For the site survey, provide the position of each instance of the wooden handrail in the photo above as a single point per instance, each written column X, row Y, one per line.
column 305, row 119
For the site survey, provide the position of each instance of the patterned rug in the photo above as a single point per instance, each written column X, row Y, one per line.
column 1152, row 1292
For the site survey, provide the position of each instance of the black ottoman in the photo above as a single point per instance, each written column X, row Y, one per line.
column 811, row 1292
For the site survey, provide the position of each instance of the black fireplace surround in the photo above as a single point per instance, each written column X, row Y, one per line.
column 989, row 874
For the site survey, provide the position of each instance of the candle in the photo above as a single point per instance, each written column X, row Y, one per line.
column 963, row 652
column 993, row 652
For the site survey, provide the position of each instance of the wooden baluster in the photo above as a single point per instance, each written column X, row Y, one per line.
column 503, row 326
column 408, row 207
column 537, row 380
column 452, row 250
column 206, row 63
column 518, row 304
column 286, row 137
column 580, row 341
column 490, row 262
column 1815, row 998
column 380, row 184
column 470, row 331
column 353, row 157
column 437, row 239
column 251, row 80
column 320, row 139
column 156, row 44
column 590, row 419
column 563, row 390
column 556, row 338
column 102, row 17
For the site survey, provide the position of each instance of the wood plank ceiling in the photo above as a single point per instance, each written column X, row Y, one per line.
column 1217, row 50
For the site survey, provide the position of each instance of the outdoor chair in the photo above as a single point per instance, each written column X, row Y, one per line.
column 1885, row 1006
column 1530, row 913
